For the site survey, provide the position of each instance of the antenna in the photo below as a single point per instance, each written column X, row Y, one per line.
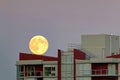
column 73, row 45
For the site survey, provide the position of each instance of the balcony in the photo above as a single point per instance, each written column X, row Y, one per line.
column 31, row 74
column 97, row 72
column 104, row 72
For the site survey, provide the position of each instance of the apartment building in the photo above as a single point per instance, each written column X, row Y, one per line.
column 84, row 63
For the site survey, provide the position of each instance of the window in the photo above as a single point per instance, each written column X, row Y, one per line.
column 67, row 67
column 49, row 71
column 31, row 70
column 53, row 68
column 83, row 69
column 67, row 70
column 21, row 69
column 111, row 69
column 67, row 58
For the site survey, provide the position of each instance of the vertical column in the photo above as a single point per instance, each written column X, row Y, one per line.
column 59, row 64
column 67, row 65
column 17, row 72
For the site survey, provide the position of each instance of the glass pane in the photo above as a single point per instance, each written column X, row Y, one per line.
column 69, row 67
column 49, row 71
column 63, row 68
column 63, row 58
column 21, row 69
column 63, row 74
column 69, row 58
column 53, row 68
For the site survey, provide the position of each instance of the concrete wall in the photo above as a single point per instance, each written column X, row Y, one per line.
column 101, row 45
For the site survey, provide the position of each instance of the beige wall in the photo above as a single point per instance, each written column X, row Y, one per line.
column 93, row 41
column 100, row 45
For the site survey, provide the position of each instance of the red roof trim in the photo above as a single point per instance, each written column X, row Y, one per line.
column 114, row 56
column 26, row 56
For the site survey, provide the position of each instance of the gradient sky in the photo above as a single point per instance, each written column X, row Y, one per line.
column 60, row 21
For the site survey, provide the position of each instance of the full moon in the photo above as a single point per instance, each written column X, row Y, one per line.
column 38, row 45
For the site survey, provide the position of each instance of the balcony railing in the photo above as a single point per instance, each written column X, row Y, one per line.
column 31, row 74
column 104, row 72
column 97, row 72
column 100, row 72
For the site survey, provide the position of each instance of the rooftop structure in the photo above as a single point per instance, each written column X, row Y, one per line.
column 100, row 45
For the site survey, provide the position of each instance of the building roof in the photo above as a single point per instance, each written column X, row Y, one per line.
column 26, row 56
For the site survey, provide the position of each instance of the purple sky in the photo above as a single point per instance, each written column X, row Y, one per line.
column 60, row 21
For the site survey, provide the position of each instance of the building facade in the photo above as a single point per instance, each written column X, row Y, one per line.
column 74, row 64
